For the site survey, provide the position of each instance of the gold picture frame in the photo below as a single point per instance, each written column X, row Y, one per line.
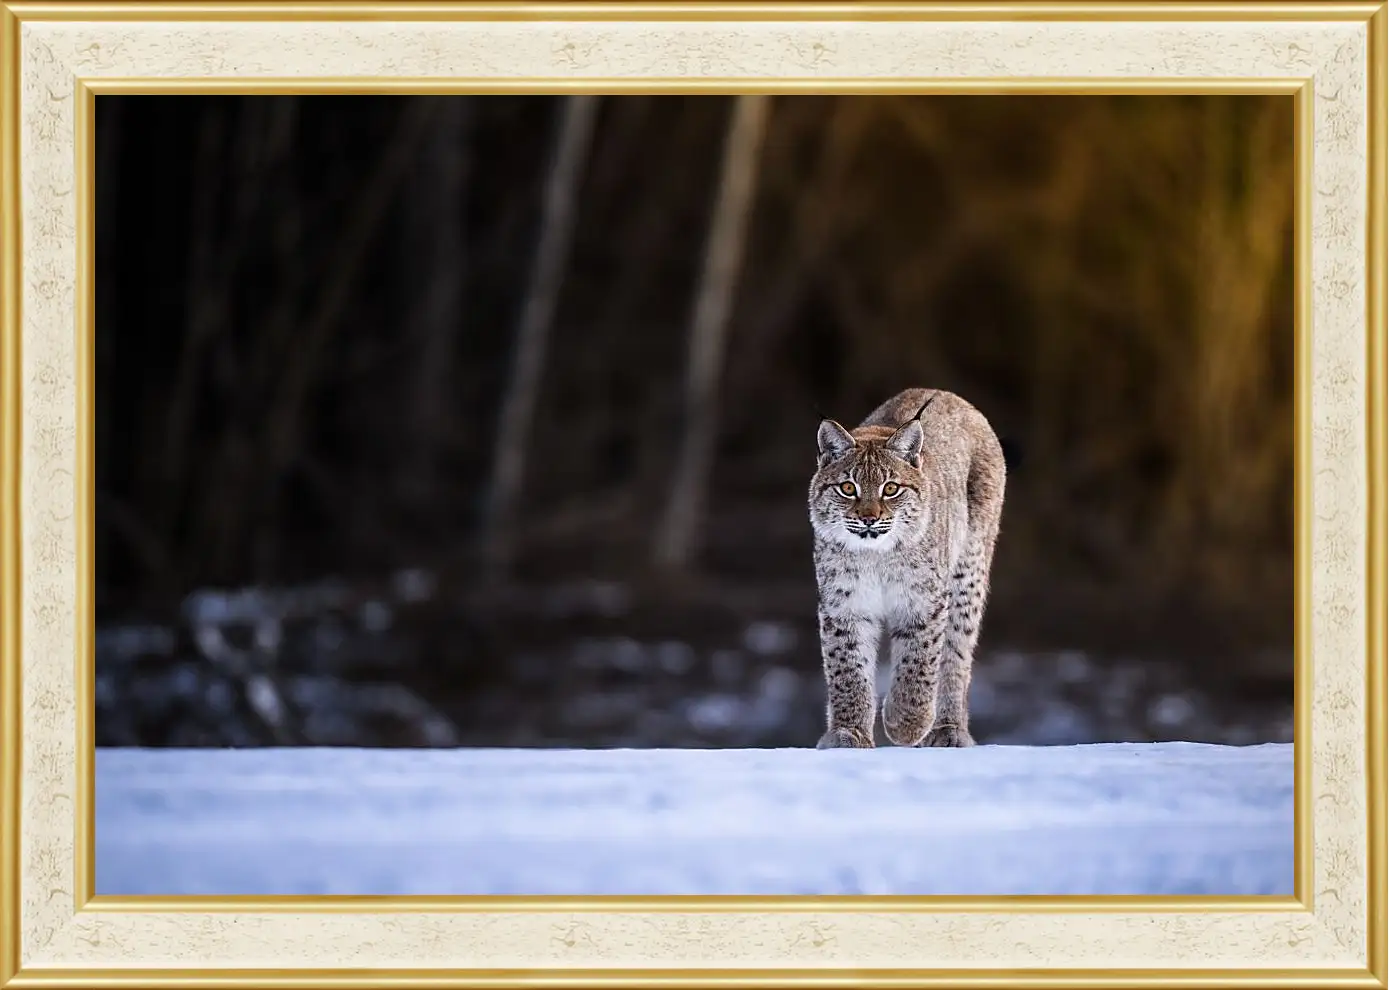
column 56, row 57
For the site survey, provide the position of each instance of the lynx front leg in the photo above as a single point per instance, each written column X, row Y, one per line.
column 848, row 644
column 909, row 710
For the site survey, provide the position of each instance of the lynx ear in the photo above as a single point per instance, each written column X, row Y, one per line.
column 834, row 441
column 906, row 443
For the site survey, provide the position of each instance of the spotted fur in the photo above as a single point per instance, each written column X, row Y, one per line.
column 905, row 510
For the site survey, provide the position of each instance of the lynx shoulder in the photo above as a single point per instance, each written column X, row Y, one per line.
column 905, row 509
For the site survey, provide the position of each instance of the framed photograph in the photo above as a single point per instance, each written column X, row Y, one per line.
column 692, row 494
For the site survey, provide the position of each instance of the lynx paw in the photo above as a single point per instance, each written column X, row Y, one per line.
column 844, row 739
column 945, row 735
column 905, row 724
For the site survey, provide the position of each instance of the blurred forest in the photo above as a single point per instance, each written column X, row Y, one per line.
column 488, row 420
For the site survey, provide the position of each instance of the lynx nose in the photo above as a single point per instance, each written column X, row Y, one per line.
column 871, row 513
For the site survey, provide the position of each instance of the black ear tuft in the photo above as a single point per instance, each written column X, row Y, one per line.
column 906, row 442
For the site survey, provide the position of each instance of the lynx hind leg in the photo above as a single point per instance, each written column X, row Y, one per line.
column 969, row 588
column 969, row 591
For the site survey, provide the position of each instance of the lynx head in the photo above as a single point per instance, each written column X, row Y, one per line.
column 867, row 492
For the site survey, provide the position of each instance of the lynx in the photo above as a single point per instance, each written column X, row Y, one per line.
column 905, row 510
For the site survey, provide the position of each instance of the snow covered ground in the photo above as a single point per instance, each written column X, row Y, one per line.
column 1158, row 818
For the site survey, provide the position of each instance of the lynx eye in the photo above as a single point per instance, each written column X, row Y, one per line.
column 848, row 489
column 891, row 490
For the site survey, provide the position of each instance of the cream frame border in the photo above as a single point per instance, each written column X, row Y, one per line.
column 65, row 937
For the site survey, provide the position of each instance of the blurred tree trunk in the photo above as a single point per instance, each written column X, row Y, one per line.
column 435, row 247
column 708, row 329
column 821, row 206
column 204, row 307
column 247, row 153
column 280, row 202
column 306, row 304
column 302, row 366
column 579, row 115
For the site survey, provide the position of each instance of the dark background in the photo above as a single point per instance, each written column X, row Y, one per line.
column 311, row 312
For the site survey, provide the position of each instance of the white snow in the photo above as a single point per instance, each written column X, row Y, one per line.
column 1162, row 818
